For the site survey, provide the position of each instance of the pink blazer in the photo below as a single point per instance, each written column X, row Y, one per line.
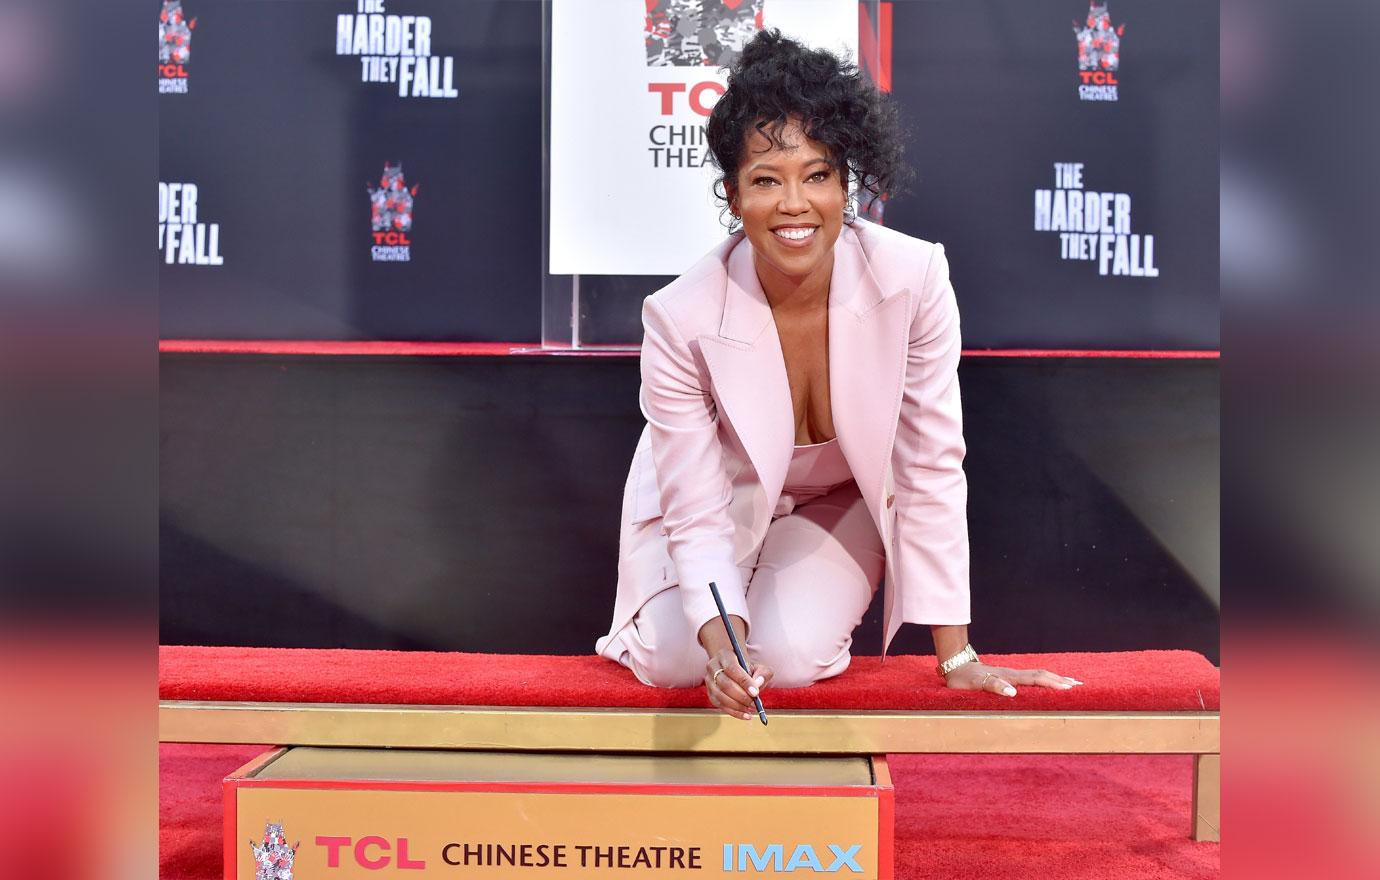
column 711, row 463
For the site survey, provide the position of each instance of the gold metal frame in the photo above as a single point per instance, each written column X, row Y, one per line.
column 1207, row 797
column 688, row 730
column 706, row 730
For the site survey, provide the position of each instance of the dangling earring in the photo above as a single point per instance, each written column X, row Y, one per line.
column 849, row 214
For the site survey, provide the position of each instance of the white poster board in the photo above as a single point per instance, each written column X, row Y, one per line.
column 631, row 90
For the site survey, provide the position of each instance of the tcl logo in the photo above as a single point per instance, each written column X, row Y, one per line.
column 371, row 852
column 696, row 97
column 1098, row 77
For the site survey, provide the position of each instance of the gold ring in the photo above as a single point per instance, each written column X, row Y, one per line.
column 983, row 683
column 714, row 679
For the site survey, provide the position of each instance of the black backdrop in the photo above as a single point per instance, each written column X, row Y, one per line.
column 281, row 138
column 472, row 503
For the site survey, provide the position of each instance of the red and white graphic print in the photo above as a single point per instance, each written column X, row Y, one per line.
column 174, row 48
column 1099, row 54
column 390, row 215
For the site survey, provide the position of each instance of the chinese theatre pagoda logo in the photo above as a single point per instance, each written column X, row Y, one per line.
column 1099, row 54
column 390, row 210
column 699, row 33
column 174, row 48
column 273, row 858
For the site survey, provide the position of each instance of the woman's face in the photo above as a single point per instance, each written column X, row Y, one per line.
column 791, row 202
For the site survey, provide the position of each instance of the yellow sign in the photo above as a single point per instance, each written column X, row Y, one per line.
column 406, row 827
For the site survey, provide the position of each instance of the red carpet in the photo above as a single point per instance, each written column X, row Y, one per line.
column 1113, row 681
column 1052, row 817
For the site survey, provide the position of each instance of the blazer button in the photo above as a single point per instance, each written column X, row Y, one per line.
column 890, row 499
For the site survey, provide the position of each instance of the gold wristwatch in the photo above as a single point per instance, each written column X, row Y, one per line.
column 967, row 655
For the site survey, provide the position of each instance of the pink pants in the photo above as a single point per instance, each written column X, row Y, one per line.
column 812, row 582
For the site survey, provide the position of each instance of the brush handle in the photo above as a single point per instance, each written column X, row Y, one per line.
column 737, row 648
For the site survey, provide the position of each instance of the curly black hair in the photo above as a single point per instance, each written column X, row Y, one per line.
column 775, row 78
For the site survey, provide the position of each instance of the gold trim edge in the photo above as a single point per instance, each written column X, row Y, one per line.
column 689, row 730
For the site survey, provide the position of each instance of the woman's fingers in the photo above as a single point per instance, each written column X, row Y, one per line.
column 737, row 685
column 721, row 703
column 718, row 700
column 998, row 684
column 1003, row 680
column 1043, row 678
column 730, row 686
column 733, row 689
column 761, row 676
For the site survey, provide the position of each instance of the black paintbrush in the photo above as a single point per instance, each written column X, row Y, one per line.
column 737, row 648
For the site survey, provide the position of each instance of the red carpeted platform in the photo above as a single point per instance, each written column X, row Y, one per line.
column 994, row 817
column 1133, row 681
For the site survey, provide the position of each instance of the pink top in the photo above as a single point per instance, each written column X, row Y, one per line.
column 815, row 470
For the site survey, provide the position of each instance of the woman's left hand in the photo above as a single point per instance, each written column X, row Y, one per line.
column 1002, row 680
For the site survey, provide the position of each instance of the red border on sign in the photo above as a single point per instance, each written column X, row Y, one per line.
column 230, row 827
column 886, row 818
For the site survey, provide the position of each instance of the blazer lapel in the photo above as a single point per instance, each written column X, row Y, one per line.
column 868, row 334
column 749, row 373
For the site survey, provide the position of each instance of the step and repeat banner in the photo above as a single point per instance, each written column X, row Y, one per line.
column 632, row 83
column 349, row 169
column 1067, row 157
column 372, row 169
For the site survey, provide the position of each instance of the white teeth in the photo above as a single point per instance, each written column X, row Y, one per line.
column 796, row 234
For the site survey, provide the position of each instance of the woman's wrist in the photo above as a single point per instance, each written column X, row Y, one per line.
column 949, row 639
column 714, row 638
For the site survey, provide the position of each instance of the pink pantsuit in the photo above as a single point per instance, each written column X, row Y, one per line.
column 706, row 496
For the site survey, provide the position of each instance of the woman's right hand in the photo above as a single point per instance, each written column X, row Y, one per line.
column 732, row 689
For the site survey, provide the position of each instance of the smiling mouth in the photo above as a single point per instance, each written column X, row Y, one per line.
column 795, row 233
